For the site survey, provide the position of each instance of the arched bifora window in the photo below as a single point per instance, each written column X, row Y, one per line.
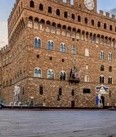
column 101, row 55
column 101, row 79
column 62, row 47
column 31, row 3
column 62, row 75
column 50, row 74
column 110, row 56
column 37, row 42
column 50, row 45
column 109, row 80
column 37, row 72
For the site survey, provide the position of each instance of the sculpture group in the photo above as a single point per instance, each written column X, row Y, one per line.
column 16, row 92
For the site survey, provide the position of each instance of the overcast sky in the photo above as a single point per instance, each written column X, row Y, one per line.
column 6, row 6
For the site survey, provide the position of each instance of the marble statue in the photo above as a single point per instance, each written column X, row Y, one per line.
column 100, row 101
column 16, row 93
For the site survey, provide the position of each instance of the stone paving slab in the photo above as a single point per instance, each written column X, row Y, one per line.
column 57, row 123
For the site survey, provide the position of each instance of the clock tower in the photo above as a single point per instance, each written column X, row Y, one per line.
column 87, row 5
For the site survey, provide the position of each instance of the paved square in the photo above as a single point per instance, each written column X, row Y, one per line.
column 57, row 123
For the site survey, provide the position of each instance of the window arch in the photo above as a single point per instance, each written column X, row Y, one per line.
column 50, row 45
column 32, row 4
column 110, row 56
column 73, row 50
column 62, row 47
column 110, row 27
column 102, row 68
column 92, row 22
column 105, row 26
column 86, row 78
column 73, row 16
column 86, row 20
column 49, row 9
column 65, row 14
column 37, row 72
column 30, row 22
column 58, row 12
column 79, row 18
column 86, row 52
column 50, row 74
column 37, row 42
column 40, row 7
column 62, row 75
column 101, row 55
column 99, row 24
column 101, row 79
column 109, row 80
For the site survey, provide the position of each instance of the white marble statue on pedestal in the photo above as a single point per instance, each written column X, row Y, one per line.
column 100, row 101
column 16, row 94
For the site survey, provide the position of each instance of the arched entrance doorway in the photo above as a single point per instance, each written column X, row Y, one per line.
column 103, row 101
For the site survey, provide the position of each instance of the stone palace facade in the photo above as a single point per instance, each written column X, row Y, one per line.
column 58, row 52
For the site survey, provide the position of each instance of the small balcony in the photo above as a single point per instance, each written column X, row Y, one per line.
column 72, row 80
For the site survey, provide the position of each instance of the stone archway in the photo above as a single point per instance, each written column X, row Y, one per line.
column 103, row 101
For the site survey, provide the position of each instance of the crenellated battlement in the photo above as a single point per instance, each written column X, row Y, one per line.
column 67, row 2
column 5, row 49
column 13, row 9
column 107, row 15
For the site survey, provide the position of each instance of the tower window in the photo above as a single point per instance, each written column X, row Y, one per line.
column 86, row 20
column 40, row 7
column 110, row 27
column 32, row 4
column 105, row 26
column 73, row 16
column 49, row 10
column 58, row 12
column 92, row 22
column 99, row 24
column 79, row 18
column 65, row 14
